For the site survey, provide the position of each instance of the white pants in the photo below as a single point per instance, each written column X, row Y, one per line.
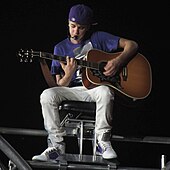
column 52, row 97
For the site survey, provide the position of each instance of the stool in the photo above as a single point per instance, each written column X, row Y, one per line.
column 81, row 116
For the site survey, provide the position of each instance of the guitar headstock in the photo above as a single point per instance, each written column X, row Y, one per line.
column 26, row 55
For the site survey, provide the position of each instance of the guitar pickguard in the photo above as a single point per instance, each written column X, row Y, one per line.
column 113, row 80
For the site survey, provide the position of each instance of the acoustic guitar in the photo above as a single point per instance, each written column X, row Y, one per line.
column 133, row 81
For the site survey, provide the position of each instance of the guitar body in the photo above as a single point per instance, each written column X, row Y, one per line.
column 138, row 81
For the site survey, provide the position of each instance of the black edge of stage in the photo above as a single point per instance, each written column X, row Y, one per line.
column 37, row 132
column 77, row 162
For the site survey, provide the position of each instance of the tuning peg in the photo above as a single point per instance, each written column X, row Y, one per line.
column 26, row 55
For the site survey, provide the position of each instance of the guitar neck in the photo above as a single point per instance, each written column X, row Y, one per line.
column 82, row 63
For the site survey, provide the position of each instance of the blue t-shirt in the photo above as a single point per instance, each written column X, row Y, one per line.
column 99, row 40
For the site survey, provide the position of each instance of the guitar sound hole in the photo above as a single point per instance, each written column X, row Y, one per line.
column 101, row 66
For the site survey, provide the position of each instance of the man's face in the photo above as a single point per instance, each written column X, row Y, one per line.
column 76, row 30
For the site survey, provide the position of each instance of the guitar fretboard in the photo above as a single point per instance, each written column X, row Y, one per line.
column 80, row 62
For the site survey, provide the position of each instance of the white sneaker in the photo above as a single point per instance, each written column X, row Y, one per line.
column 105, row 149
column 50, row 154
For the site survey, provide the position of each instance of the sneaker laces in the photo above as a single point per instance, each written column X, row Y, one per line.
column 105, row 145
column 50, row 149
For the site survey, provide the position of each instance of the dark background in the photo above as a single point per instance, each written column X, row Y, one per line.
column 40, row 24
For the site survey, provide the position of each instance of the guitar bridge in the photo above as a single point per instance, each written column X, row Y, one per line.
column 124, row 73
